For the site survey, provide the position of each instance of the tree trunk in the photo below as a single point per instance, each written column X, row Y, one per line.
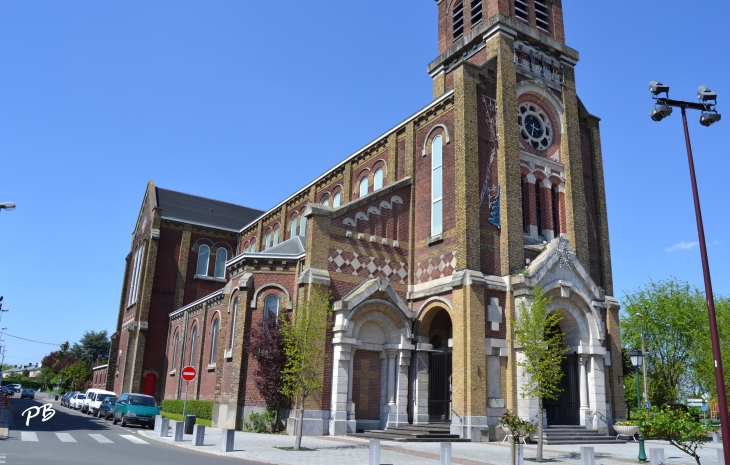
column 298, row 441
column 539, row 430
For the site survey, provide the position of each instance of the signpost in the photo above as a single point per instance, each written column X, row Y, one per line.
column 188, row 374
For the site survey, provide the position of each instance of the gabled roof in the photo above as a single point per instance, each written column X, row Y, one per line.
column 293, row 246
column 187, row 208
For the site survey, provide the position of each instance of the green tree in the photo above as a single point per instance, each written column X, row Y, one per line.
column 91, row 346
column 674, row 321
column 304, row 343
column 678, row 427
column 704, row 361
column 76, row 375
column 536, row 332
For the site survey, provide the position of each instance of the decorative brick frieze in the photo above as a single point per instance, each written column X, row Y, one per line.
column 346, row 262
column 435, row 268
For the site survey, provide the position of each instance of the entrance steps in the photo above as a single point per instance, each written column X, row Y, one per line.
column 573, row 434
column 434, row 432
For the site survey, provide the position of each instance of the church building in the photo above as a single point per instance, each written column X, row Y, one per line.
column 429, row 239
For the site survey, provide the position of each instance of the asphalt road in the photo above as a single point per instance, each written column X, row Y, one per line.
column 73, row 438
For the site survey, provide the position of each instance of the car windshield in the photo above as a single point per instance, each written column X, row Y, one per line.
column 142, row 400
column 111, row 400
column 81, row 396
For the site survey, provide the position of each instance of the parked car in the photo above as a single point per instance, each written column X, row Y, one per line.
column 137, row 409
column 65, row 398
column 93, row 399
column 7, row 390
column 106, row 409
column 27, row 393
column 15, row 387
column 77, row 400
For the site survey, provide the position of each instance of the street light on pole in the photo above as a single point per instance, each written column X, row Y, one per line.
column 637, row 360
column 707, row 105
column 7, row 206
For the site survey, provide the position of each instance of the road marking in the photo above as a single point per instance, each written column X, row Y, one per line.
column 28, row 436
column 65, row 437
column 101, row 439
column 133, row 439
column 2, row 458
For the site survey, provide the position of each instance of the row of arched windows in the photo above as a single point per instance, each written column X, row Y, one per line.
column 364, row 185
column 221, row 256
column 546, row 206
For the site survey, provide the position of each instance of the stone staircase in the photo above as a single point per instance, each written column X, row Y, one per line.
column 573, row 434
column 435, row 432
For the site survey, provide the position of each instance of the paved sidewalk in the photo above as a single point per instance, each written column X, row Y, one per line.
column 329, row 450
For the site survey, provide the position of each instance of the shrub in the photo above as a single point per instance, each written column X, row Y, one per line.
column 261, row 422
column 199, row 408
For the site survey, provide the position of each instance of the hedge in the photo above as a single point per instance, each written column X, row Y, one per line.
column 199, row 408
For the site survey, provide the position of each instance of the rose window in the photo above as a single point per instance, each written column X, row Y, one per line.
column 535, row 127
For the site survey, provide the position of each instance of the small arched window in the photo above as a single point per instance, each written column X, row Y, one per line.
column 271, row 309
column 436, row 186
column 221, row 255
column 326, row 202
column 203, row 258
column 364, row 186
column 276, row 236
column 336, row 200
column 214, row 340
column 253, row 246
column 378, row 179
column 267, row 244
column 247, row 248
column 293, row 227
column 175, row 345
column 303, row 227
column 193, row 341
column 234, row 316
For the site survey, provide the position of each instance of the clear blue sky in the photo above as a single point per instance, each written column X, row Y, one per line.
column 247, row 101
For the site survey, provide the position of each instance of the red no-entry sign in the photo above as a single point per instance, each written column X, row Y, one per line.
column 189, row 373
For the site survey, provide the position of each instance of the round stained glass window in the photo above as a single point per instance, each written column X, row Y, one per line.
column 535, row 127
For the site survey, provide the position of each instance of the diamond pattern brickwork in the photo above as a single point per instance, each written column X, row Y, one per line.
column 436, row 267
column 355, row 264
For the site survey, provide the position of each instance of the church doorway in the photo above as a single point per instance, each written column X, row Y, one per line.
column 439, row 362
column 565, row 409
column 366, row 385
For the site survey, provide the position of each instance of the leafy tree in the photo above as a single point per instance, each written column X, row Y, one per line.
column 536, row 331
column 267, row 347
column 76, row 374
column 674, row 321
column 304, row 340
column 91, row 346
column 678, row 427
column 704, row 361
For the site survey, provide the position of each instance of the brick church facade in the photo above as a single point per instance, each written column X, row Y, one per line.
column 429, row 239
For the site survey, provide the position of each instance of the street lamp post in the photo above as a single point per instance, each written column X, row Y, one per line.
column 643, row 350
column 637, row 360
column 7, row 206
column 707, row 105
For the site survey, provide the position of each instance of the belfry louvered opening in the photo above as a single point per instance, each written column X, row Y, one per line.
column 458, row 18
column 541, row 15
column 521, row 10
column 476, row 11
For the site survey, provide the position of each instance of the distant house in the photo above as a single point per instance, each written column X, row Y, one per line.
column 33, row 371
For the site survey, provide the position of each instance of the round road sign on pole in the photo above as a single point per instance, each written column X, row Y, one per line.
column 189, row 373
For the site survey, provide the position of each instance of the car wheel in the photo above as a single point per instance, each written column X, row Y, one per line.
column 124, row 422
column 114, row 419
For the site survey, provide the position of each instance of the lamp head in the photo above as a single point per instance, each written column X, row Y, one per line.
column 660, row 112
column 657, row 88
column 708, row 119
column 637, row 357
column 7, row 206
column 705, row 94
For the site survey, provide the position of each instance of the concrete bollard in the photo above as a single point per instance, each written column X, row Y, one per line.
column 720, row 457
column 227, row 437
column 656, row 455
column 517, row 454
column 178, row 428
column 587, row 456
column 158, row 423
column 374, row 452
column 164, row 430
column 198, row 435
column 445, row 453
column 715, row 437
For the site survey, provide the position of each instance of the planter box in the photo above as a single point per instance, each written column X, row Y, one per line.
column 625, row 430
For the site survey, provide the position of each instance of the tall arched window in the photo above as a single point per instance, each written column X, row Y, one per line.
column 175, row 345
column 364, row 186
column 336, row 200
column 303, row 227
column 193, row 341
column 437, row 206
column 378, row 179
column 293, row 227
column 203, row 258
column 276, row 236
column 221, row 255
column 271, row 309
column 214, row 340
column 234, row 316
column 267, row 244
column 538, row 207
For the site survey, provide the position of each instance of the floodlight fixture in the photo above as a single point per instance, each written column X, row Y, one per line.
column 657, row 88
column 660, row 112
column 7, row 206
column 705, row 94
column 708, row 119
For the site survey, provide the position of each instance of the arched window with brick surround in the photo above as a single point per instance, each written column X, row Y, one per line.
column 293, row 226
column 215, row 330
column 378, row 179
column 364, row 186
column 267, row 244
column 175, row 346
column 271, row 310
column 221, row 255
column 234, row 316
column 336, row 200
column 203, row 258
column 193, row 341
column 437, row 186
column 302, row 225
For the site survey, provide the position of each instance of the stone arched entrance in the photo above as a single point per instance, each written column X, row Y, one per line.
column 432, row 368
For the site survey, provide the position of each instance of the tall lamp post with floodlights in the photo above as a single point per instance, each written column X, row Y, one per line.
column 707, row 105
column 637, row 360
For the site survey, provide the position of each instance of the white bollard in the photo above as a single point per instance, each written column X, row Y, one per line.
column 374, row 452
column 656, row 455
column 517, row 454
column 158, row 423
column 588, row 456
column 227, row 438
column 164, row 427
column 178, row 429
column 198, row 435
column 445, row 453
column 720, row 457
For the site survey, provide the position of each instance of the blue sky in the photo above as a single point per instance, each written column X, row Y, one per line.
column 247, row 101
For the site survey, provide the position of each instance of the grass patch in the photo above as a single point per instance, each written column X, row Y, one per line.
column 177, row 417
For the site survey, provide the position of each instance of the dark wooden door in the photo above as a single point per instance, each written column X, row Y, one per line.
column 565, row 410
column 439, row 392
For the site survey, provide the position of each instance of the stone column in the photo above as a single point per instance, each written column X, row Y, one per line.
column 342, row 363
column 583, row 383
column 420, row 391
column 391, row 377
column 399, row 417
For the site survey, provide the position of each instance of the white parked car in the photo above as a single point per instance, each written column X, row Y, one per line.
column 77, row 401
column 93, row 400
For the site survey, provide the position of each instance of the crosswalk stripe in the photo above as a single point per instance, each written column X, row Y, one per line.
column 132, row 438
column 28, row 436
column 65, row 437
column 101, row 439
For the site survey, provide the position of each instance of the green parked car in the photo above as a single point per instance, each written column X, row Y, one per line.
column 138, row 409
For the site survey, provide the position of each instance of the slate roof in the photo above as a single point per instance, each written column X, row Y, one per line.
column 293, row 246
column 207, row 212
